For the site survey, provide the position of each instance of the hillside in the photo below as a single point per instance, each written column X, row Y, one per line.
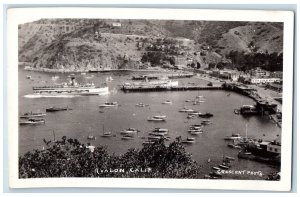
column 81, row 44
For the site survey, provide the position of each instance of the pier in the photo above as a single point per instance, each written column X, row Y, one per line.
column 163, row 88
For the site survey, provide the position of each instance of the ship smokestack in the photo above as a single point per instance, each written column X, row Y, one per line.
column 73, row 81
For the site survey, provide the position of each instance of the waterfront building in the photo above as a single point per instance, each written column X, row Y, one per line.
column 264, row 80
column 225, row 74
column 276, row 74
column 258, row 72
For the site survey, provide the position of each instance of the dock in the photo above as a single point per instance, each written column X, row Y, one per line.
column 163, row 88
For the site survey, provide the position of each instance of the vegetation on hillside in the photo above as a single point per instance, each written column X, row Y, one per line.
column 266, row 61
column 83, row 44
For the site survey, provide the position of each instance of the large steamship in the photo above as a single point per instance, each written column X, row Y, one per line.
column 71, row 88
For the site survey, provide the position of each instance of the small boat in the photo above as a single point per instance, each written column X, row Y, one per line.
column 216, row 168
column 229, row 158
column 32, row 114
column 32, row 121
column 188, row 100
column 106, row 134
column 108, row 79
column 189, row 140
column 199, row 96
column 167, row 102
column 194, row 113
column 160, row 130
column 206, row 122
column 223, row 166
column 91, row 137
column 109, row 104
column 206, row 115
column 156, row 119
column 55, row 77
column 160, row 116
column 55, row 109
column 129, row 131
column 89, row 77
column 195, row 132
column 186, row 110
column 233, row 137
column 141, row 105
column 28, row 77
column 83, row 73
column 215, row 174
column 127, row 137
column 196, row 127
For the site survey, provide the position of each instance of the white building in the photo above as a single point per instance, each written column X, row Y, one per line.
column 277, row 74
column 264, row 80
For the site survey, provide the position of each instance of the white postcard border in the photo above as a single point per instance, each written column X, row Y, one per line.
column 17, row 16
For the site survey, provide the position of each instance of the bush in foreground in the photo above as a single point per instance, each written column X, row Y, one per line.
column 70, row 158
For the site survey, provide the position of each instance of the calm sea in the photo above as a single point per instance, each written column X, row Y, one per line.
column 85, row 119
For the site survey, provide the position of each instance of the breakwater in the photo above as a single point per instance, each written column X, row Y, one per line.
column 163, row 88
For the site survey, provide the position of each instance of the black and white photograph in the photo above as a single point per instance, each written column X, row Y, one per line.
column 153, row 98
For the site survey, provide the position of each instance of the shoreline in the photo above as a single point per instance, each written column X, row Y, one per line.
column 92, row 71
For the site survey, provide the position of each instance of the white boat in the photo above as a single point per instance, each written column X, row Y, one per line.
column 234, row 136
column 195, row 131
column 141, row 105
column 186, row 110
column 55, row 77
column 196, row 126
column 215, row 168
column 89, row 77
column 129, row 131
column 156, row 119
column 206, row 122
column 159, row 131
column 160, row 116
column 189, row 140
column 194, row 113
column 83, row 73
column 109, row 104
column 32, row 115
column 106, row 133
column 109, row 79
column 91, row 137
column 71, row 88
column 224, row 166
column 32, row 121
column 167, row 102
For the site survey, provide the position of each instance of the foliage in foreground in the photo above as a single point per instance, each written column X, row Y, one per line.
column 70, row 158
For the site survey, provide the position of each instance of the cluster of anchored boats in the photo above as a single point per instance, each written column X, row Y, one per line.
column 216, row 170
column 34, row 118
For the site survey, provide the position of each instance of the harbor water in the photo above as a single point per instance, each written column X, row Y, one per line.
column 86, row 119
